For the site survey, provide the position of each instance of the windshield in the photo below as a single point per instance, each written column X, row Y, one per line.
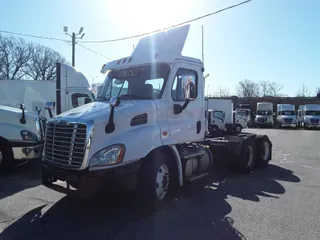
column 144, row 82
column 288, row 113
column 243, row 112
column 264, row 112
column 313, row 113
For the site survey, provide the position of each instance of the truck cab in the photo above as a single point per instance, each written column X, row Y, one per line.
column 264, row 115
column 311, row 116
column 69, row 90
column 21, row 136
column 146, row 129
column 286, row 115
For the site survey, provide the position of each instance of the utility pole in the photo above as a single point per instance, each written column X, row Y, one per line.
column 73, row 41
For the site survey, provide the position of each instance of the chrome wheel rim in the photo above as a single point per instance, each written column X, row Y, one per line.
column 162, row 181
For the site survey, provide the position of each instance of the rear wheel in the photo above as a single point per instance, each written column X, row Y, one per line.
column 264, row 150
column 6, row 156
column 247, row 156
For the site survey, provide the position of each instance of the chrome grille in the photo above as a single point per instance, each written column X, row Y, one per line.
column 42, row 123
column 65, row 144
column 314, row 120
column 262, row 119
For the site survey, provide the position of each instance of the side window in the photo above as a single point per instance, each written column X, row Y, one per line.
column 79, row 99
column 185, row 85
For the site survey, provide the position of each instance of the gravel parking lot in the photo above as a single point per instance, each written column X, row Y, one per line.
column 281, row 202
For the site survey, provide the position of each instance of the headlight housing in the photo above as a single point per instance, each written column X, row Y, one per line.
column 28, row 136
column 108, row 156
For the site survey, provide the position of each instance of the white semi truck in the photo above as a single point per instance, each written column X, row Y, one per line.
column 21, row 136
column 146, row 130
column 286, row 115
column 69, row 90
column 222, row 117
column 311, row 116
column 264, row 115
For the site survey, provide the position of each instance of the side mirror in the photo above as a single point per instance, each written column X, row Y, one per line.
column 87, row 100
column 49, row 105
column 22, row 107
column 114, row 101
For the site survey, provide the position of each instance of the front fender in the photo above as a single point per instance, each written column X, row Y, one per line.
column 138, row 140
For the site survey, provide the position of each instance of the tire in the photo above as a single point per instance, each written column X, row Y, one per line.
column 247, row 158
column 264, row 150
column 6, row 156
column 238, row 128
column 155, row 179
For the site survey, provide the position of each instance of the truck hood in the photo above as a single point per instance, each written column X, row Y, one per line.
column 99, row 112
column 15, row 113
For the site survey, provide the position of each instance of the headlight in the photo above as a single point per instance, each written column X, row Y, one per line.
column 306, row 119
column 108, row 156
column 28, row 136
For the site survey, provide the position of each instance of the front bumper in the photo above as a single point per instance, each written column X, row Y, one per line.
column 27, row 150
column 68, row 181
column 288, row 124
column 269, row 124
column 312, row 125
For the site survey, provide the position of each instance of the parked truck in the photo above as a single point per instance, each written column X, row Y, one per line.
column 69, row 90
column 286, row 115
column 222, row 117
column 146, row 130
column 264, row 114
column 21, row 136
column 311, row 116
column 247, row 109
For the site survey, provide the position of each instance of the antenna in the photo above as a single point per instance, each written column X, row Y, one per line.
column 202, row 45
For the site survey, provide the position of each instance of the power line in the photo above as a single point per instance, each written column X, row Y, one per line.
column 34, row 36
column 166, row 28
column 94, row 51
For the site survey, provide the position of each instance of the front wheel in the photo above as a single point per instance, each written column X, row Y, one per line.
column 238, row 128
column 155, row 178
column 6, row 156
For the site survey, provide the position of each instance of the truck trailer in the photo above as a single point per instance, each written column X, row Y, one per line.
column 146, row 129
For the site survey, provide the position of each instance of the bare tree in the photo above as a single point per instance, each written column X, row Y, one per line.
column 14, row 55
column 248, row 89
column 264, row 88
column 275, row 89
column 42, row 65
column 304, row 92
column 222, row 92
column 271, row 89
column 318, row 92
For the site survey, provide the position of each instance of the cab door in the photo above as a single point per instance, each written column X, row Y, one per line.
column 186, row 103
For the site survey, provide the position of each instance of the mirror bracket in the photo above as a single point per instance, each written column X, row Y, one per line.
column 177, row 108
column 23, row 118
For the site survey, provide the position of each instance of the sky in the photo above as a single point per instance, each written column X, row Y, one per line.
column 274, row 40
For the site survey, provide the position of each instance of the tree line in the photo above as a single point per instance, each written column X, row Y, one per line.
column 250, row 89
column 21, row 60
